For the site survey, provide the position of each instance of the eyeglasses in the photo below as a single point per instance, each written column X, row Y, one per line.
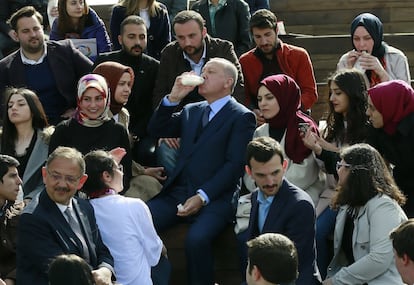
column 340, row 164
column 66, row 178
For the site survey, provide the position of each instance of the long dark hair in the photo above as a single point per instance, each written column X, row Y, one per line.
column 65, row 24
column 39, row 120
column 368, row 176
column 352, row 83
column 97, row 161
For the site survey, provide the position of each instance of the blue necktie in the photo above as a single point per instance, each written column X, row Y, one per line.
column 205, row 118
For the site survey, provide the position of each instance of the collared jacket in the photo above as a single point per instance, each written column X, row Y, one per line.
column 32, row 180
column 8, row 238
column 94, row 28
column 173, row 64
column 293, row 61
column 372, row 248
column 231, row 22
column 396, row 64
column 65, row 61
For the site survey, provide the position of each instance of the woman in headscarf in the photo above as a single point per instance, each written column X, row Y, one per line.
column 379, row 61
column 91, row 126
column 145, row 183
column 279, row 102
column 391, row 111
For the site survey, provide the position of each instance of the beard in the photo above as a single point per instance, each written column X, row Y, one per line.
column 135, row 50
column 193, row 50
column 32, row 48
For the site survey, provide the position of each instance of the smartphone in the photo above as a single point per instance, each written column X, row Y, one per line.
column 303, row 127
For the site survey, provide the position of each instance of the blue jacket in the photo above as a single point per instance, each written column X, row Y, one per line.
column 94, row 28
column 158, row 34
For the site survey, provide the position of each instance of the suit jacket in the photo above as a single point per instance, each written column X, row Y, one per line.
column 139, row 103
column 292, row 214
column 231, row 22
column 44, row 233
column 172, row 64
column 66, row 62
column 213, row 160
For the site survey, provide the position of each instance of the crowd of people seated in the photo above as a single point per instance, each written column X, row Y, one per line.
column 200, row 117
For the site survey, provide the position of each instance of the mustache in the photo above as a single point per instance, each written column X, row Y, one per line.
column 137, row 46
column 64, row 189
column 269, row 186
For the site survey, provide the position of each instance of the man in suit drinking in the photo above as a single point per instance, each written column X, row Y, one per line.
column 209, row 164
column 55, row 222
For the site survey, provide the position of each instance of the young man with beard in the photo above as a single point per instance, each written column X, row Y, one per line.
column 190, row 52
column 9, row 215
column 281, row 207
column 56, row 222
column 51, row 69
column 133, row 39
column 272, row 56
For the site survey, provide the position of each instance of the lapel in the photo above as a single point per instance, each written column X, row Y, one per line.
column 276, row 208
column 37, row 158
column 86, row 229
column 64, row 233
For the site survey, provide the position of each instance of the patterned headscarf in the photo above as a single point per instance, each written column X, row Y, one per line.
column 99, row 83
column 287, row 94
column 112, row 71
column 394, row 100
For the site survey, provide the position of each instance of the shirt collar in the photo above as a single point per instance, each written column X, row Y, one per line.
column 25, row 60
column 203, row 57
column 220, row 3
column 263, row 200
column 63, row 208
column 217, row 105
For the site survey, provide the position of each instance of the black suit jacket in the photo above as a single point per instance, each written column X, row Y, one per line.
column 44, row 233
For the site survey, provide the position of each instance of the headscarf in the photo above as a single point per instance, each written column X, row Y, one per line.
column 99, row 83
column 374, row 27
column 394, row 100
column 287, row 94
column 112, row 71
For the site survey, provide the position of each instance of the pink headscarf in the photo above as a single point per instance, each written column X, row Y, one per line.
column 394, row 100
column 287, row 94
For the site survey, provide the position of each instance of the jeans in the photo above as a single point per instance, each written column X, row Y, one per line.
column 325, row 225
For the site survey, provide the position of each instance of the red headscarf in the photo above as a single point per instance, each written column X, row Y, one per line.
column 287, row 94
column 394, row 100
column 112, row 71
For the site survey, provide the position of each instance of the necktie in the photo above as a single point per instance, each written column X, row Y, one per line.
column 74, row 224
column 205, row 118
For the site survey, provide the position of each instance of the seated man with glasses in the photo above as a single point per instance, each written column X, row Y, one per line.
column 56, row 222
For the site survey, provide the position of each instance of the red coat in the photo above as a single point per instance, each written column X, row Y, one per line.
column 293, row 61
